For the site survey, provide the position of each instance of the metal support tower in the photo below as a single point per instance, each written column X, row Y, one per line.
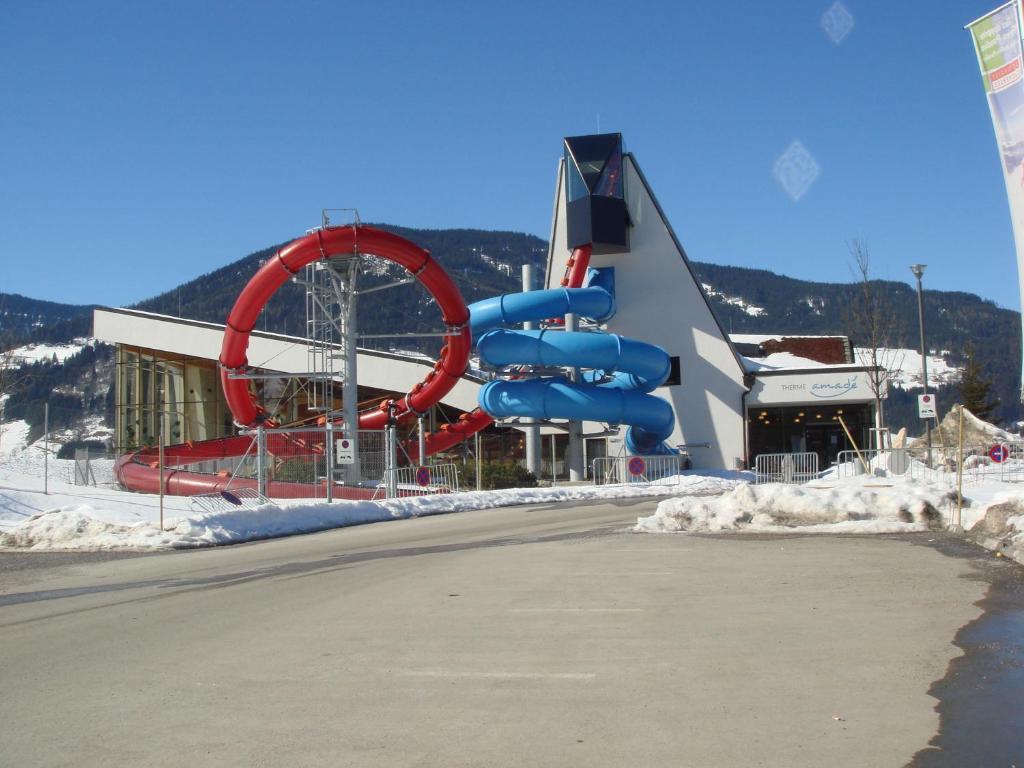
column 331, row 330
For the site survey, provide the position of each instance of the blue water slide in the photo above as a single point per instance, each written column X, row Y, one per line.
column 650, row 418
column 630, row 364
column 516, row 308
column 620, row 372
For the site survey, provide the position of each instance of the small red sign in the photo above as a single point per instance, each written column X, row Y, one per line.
column 999, row 453
column 637, row 466
column 423, row 476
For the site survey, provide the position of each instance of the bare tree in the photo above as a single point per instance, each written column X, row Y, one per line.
column 871, row 321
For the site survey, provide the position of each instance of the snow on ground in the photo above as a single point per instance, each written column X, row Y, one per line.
column 13, row 438
column 76, row 517
column 735, row 301
column 906, row 365
column 33, row 353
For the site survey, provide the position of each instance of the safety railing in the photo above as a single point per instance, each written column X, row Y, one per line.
column 622, row 470
column 425, row 480
column 1000, row 462
column 221, row 501
column 790, row 468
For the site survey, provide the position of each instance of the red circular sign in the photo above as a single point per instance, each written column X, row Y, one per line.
column 423, row 476
column 999, row 453
column 637, row 466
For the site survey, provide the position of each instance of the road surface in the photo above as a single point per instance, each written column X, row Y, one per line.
column 526, row 636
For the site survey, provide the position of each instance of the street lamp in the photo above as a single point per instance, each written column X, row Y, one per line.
column 918, row 270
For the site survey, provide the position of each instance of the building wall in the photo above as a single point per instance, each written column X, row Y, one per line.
column 660, row 301
column 178, row 394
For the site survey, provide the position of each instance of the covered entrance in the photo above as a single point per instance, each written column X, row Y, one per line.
column 809, row 429
column 804, row 411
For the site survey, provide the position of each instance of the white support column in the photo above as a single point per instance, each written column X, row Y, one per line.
column 574, row 451
column 532, row 432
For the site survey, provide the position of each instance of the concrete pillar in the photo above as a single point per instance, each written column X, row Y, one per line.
column 574, row 451
column 533, row 459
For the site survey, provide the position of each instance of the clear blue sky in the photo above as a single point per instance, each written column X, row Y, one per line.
column 143, row 144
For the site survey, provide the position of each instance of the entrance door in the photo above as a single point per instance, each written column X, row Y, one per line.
column 826, row 440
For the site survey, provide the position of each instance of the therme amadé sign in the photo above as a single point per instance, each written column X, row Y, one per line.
column 844, row 387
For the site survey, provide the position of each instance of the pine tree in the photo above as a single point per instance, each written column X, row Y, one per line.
column 975, row 388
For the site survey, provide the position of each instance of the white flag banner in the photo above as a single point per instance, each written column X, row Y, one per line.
column 997, row 41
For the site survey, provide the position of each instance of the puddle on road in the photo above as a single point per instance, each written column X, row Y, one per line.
column 981, row 698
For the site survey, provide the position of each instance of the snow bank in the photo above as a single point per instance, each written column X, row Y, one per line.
column 857, row 505
column 119, row 520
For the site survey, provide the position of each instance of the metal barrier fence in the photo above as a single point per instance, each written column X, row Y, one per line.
column 425, row 480
column 1001, row 462
column 221, row 501
column 619, row 470
column 792, row 468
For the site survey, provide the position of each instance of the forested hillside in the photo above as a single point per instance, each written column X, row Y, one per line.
column 482, row 263
column 23, row 320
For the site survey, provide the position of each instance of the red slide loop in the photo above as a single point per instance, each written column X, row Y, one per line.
column 339, row 241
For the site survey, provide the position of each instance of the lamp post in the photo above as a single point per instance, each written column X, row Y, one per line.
column 918, row 270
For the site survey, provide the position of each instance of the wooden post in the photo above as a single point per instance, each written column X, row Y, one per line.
column 854, row 444
column 959, row 471
column 46, row 448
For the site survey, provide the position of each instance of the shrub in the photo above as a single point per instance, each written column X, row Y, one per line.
column 499, row 474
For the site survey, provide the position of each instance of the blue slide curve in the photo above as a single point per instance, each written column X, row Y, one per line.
column 619, row 373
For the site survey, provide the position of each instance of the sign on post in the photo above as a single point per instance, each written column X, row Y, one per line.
column 344, row 453
column 999, row 453
column 926, row 406
column 636, row 466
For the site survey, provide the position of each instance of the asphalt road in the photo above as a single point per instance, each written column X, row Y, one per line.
column 526, row 636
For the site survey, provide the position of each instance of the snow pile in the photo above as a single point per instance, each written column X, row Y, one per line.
column 856, row 505
column 994, row 518
column 118, row 520
column 976, row 433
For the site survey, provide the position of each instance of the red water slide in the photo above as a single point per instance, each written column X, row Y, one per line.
column 140, row 471
column 339, row 241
